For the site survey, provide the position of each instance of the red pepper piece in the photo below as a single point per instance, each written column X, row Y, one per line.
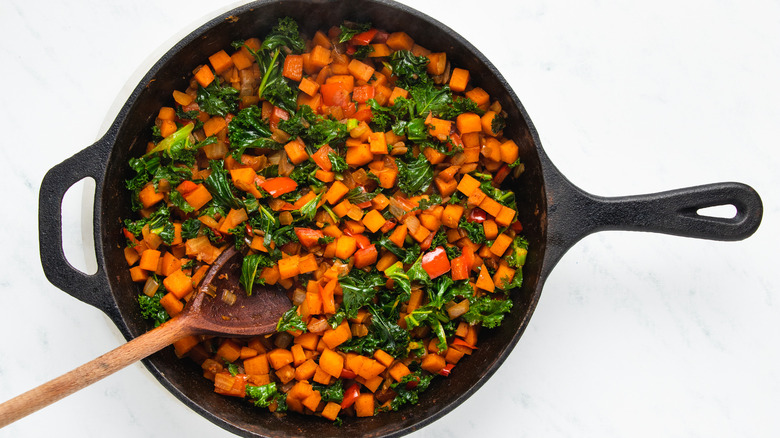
column 347, row 374
column 363, row 38
column 279, row 186
column 447, row 370
column 350, row 395
column 477, row 215
column 435, row 262
column 309, row 237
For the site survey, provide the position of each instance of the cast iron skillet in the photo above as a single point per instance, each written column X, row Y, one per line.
column 555, row 214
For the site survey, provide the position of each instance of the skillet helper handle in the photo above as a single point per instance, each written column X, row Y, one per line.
column 677, row 212
column 93, row 371
column 90, row 162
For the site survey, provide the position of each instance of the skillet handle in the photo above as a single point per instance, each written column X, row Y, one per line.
column 90, row 162
column 574, row 213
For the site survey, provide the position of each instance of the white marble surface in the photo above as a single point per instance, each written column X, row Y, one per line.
column 635, row 335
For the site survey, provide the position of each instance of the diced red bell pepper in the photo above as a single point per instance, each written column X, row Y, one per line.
column 347, row 374
column 501, row 175
column 447, row 370
column 363, row 115
column 366, row 256
column 277, row 115
column 334, row 94
column 279, row 186
column 309, row 237
column 462, row 343
column 411, row 384
column 363, row 38
column 517, row 226
column 362, row 241
column 435, row 262
column 477, row 215
column 460, row 270
column 186, row 187
column 350, row 395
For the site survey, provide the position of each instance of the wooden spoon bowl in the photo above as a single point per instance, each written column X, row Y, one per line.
column 206, row 313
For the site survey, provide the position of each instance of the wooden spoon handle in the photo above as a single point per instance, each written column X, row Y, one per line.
column 89, row 373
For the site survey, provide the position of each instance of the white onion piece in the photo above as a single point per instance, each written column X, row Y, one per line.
column 228, row 297
column 151, row 286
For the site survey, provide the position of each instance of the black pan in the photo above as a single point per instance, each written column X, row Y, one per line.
column 554, row 212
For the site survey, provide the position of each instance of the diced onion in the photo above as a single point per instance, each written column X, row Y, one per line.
column 228, row 297
column 318, row 326
column 412, row 223
column 299, row 295
column 151, row 286
column 458, row 309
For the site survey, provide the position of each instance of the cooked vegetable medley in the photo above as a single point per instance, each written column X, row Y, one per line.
column 363, row 174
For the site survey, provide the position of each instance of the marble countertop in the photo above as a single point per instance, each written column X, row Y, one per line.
column 636, row 334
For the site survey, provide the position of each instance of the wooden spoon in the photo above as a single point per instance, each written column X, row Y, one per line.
column 247, row 316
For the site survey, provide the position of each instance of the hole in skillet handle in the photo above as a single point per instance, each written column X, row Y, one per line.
column 78, row 242
column 728, row 211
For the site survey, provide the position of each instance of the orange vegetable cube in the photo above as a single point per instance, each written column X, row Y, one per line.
column 229, row 350
column 221, row 62
column 492, row 207
column 505, row 216
column 459, row 78
column 360, row 70
column 171, row 304
column 331, row 362
column 433, row 363
column 312, row 401
column 242, row 59
column 288, row 267
column 359, row 155
column 149, row 196
column 364, row 405
column 451, row 215
column 321, row 376
column 335, row 337
column 345, row 246
column 178, row 283
column 383, row 358
column 296, row 151
column 380, row 50
column 204, row 76
column 149, row 259
column 396, row 93
column 293, row 67
column 320, row 57
column 484, row 281
column 490, row 228
column 501, row 244
column 468, row 122
column 198, row 197
column 400, row 41
column 308, row 86
column 336, row 191
column 279, row 357
column 468, row 184
column 137, row 274
column 257, row 365
column 377, row 143
column 479, row 96
column 503, row 276
column 398, row 371
column 373, row 220
column 509, row 151
column 331, row 411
